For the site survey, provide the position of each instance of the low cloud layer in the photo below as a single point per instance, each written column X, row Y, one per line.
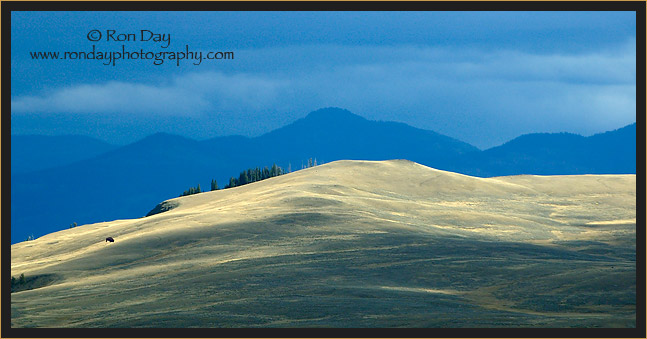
column 482, row 97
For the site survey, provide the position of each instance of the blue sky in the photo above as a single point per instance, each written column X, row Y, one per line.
column 481, row 77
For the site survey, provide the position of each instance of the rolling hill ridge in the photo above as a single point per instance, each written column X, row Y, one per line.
column 406, row 246
column 126, row 182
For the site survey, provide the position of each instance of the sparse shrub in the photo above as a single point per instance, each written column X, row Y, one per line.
column 72, row 225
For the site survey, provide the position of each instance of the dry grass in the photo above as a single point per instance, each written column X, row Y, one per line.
column 351, row 243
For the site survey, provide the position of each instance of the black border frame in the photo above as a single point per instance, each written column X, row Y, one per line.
column 7, row 7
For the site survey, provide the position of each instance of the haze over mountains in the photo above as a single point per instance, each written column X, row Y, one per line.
column 37, row 152
column 98, row 182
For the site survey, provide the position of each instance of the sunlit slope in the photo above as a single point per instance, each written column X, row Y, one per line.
column 350, row 243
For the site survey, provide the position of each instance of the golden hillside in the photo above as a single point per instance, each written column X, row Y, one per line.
column 349, row 243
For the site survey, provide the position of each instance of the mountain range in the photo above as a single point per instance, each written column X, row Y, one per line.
column 31, row 153
column 59, row 181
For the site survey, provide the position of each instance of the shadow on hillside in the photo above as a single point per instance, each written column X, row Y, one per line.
column 33, row 282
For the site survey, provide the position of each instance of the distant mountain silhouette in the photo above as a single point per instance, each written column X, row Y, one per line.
column 611, row 152
column 128, row 181
column 118, row 184
column 333, row 134
column 37, row 152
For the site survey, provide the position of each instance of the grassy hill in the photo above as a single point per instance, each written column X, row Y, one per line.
column 133, row 178
column 349, row 244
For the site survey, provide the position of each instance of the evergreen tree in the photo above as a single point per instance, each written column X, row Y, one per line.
column 243, row 179
column 192, row 190
column 232, row 182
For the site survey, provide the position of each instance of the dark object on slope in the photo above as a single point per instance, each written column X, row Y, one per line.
column 110, row 239
column 32, row 282
column 160, row 166
column 163, row 207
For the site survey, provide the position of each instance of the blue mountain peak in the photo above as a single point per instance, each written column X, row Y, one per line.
column 332, row 114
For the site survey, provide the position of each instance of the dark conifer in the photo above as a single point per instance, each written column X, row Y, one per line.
column 243, row 179
column 232, row 182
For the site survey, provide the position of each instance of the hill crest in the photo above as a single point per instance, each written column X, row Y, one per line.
column 133, row 178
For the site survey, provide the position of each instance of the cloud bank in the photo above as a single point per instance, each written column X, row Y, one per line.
column 482, row 97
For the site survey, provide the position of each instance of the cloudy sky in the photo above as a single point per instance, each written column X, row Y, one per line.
column 481, row 77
